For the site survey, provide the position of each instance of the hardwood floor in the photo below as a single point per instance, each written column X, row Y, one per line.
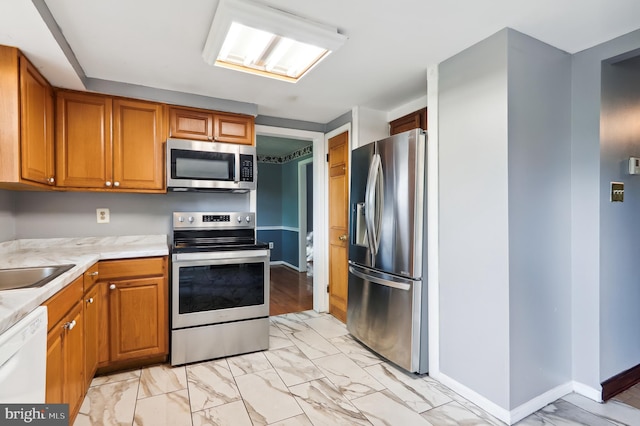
column 290, row 291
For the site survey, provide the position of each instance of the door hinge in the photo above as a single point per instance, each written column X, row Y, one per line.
column 327, row 288
column 327, row 158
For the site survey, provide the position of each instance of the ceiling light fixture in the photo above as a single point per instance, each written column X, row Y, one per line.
column 258, row 39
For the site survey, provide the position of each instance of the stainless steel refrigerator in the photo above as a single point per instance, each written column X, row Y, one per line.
column 387, row 299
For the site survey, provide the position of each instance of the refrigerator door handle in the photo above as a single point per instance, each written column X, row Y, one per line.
column 373, row 205
column 378, row 280
column 368, row 208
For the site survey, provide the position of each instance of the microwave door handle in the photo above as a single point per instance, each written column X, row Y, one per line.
column 236, row 163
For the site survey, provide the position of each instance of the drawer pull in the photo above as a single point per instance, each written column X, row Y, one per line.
column 93, row 274
column 69, row 326
column 90, row 300
column 112, row 286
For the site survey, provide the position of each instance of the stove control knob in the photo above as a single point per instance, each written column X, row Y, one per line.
column 180, row 219
column 248, row 219
column 239, row 219
column 190, row 219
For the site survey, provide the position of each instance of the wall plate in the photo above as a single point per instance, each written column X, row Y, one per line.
column 617, row 192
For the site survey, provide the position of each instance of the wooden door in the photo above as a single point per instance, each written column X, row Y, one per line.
column 83, row 154
column 91, row 332
column 138, row 318
column 36, row 125
column 138, row 155
column 190, row 124
column 338, row 224
column 233, row 129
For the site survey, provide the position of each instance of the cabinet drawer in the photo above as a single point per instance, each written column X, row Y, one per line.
column 91, row 276
column 62, row 302
column 131, row 268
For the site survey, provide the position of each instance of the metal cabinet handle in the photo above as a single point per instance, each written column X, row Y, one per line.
column 90, row 300
column 112, row 286
column 69, row 326
column 108, row 183
column 343, row 237
column 93, row 274
column 116, row 184
column 51, row 180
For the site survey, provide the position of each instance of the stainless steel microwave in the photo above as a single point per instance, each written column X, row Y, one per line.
column 210, row 166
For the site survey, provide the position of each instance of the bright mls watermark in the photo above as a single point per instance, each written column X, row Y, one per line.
column 34, row 414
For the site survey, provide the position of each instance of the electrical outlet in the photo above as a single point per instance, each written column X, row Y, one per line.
column 102, row 215
column 270, row 244
column 617, row 192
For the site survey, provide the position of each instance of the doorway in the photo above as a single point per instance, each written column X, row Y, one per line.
column 284, row 208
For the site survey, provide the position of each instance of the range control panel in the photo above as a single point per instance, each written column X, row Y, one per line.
column 208, row 220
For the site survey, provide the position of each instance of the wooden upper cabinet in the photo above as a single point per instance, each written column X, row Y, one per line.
column 138, row 154
column 190, row 124
column 83, row 157
column 109, row 144
column 233, row 128
column 26, row 123
column 205, row 125
column 415, row 120
column 36, row 125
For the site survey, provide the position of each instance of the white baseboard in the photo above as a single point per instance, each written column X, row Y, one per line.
column 282, row 262
column 518, row 413
column 587, row 391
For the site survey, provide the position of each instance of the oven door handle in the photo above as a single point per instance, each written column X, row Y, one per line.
column 226, row 256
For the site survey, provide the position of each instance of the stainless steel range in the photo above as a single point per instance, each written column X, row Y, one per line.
column 219, row 288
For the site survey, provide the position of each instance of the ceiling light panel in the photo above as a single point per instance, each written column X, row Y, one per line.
column 252, row 37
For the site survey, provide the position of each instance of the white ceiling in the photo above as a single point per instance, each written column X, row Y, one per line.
column 158, row 43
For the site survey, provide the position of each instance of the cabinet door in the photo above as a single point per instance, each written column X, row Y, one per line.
column 73, row 344
column 36, row 125
column 190, row 124
column 84, row 153
column 233, row 129
column 138, row 155
column 415, row 120
column 138, row 318
column 91, row 332
column 55, row 365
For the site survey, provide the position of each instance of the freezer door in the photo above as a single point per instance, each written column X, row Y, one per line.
column 387, row 204
column 384, row 313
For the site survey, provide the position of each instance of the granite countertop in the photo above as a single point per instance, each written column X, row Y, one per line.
column 83, row 252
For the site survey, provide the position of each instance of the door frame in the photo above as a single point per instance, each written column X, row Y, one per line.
column 320, row 220
column 302, row 214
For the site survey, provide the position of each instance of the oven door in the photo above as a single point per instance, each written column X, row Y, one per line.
column 217, row 287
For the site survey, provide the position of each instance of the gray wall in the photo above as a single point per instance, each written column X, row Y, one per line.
column 619, row 230
column 504, row 144
column 591, row 211
column 73, row 214
column 7, row 216
column 539, row 129
column 474, row 269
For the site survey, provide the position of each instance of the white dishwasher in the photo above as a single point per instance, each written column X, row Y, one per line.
column 23, row 359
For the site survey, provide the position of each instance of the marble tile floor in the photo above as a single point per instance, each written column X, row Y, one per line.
column 314, row 373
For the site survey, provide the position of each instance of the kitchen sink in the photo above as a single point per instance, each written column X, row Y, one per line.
column 32, row 277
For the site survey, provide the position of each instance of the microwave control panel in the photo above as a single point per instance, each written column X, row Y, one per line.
column 246, row 168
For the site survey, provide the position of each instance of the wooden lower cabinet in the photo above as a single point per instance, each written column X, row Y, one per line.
column 65, row 349
column 117, row 313
column 138, row 319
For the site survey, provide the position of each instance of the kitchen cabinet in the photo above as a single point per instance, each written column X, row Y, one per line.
column 137, row 295
column 92, row 302
column 26, row 139
column 109, row 144
column 65, row 348
column 205, row 125
column 415, row 120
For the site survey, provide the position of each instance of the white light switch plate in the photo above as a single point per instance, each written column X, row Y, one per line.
column 102, row 215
